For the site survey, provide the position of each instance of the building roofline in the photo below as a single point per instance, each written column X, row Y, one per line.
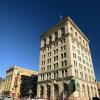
column 54, row 28
column 14, row 66
column 61, row 23
column 69, row 19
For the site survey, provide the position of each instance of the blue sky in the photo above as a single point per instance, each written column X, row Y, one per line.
column 23, row 21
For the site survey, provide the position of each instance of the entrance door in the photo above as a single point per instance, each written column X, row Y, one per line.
column 56, row 91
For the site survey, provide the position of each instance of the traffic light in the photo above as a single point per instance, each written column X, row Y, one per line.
column 73, row 85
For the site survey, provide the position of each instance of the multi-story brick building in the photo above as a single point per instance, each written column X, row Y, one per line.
column 15, row 78
column 66, row 67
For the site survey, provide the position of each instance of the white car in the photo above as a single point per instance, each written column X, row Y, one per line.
column 1, row 97
column 8, row 98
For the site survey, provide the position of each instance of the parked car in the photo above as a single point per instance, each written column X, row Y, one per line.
column 1, row 97
column 8, row 98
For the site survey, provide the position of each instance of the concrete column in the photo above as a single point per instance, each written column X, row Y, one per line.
column 64, row 73
column 38, row 90
column 66, row 29
column 90, row 91
column 47, row 42
column 52, row 91
column 59, row 31
column 60, row 74
column 53, row 37
column 52, row 75
column 60, row 88
column 45, row 91
column 86, row 92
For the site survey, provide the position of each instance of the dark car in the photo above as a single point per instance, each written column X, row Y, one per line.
column 96, row 98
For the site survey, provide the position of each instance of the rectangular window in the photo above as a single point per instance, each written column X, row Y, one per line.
column 50, row 39
column 75, row 63
column 54, row 66
column 57, row 65
column 50, row 60
column 50, row 53
column 62, row 63
column 56, row 35
column 65, row 54
column 54, row 51
column 62, row 31
column 65, row 62
column 65, row 72
column 61, row 48
column 49, row 75
column 56, row 57
column 47, row 60
column 57, row 74
column 44, row 41
column 64, row 47
column 61, row 55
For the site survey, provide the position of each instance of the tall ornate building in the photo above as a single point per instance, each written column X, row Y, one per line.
column 18, row 81
column 66, row 68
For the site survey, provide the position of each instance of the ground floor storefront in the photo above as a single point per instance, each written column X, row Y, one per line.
column 58, row 90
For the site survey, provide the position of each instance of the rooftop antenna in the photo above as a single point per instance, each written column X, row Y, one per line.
column 60, row 16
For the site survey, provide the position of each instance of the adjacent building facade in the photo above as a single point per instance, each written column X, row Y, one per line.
column 66, row 68
column 2, row 85
column 28, row 86
column 98, row 85
column 15, row 76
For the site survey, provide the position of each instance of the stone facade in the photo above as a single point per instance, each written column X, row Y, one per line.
column 66, row 69
column 2, row 85
column 98, row 85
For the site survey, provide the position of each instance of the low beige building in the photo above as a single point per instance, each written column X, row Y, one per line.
column 66, row 68
column 13, row 80
column 2, row 85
